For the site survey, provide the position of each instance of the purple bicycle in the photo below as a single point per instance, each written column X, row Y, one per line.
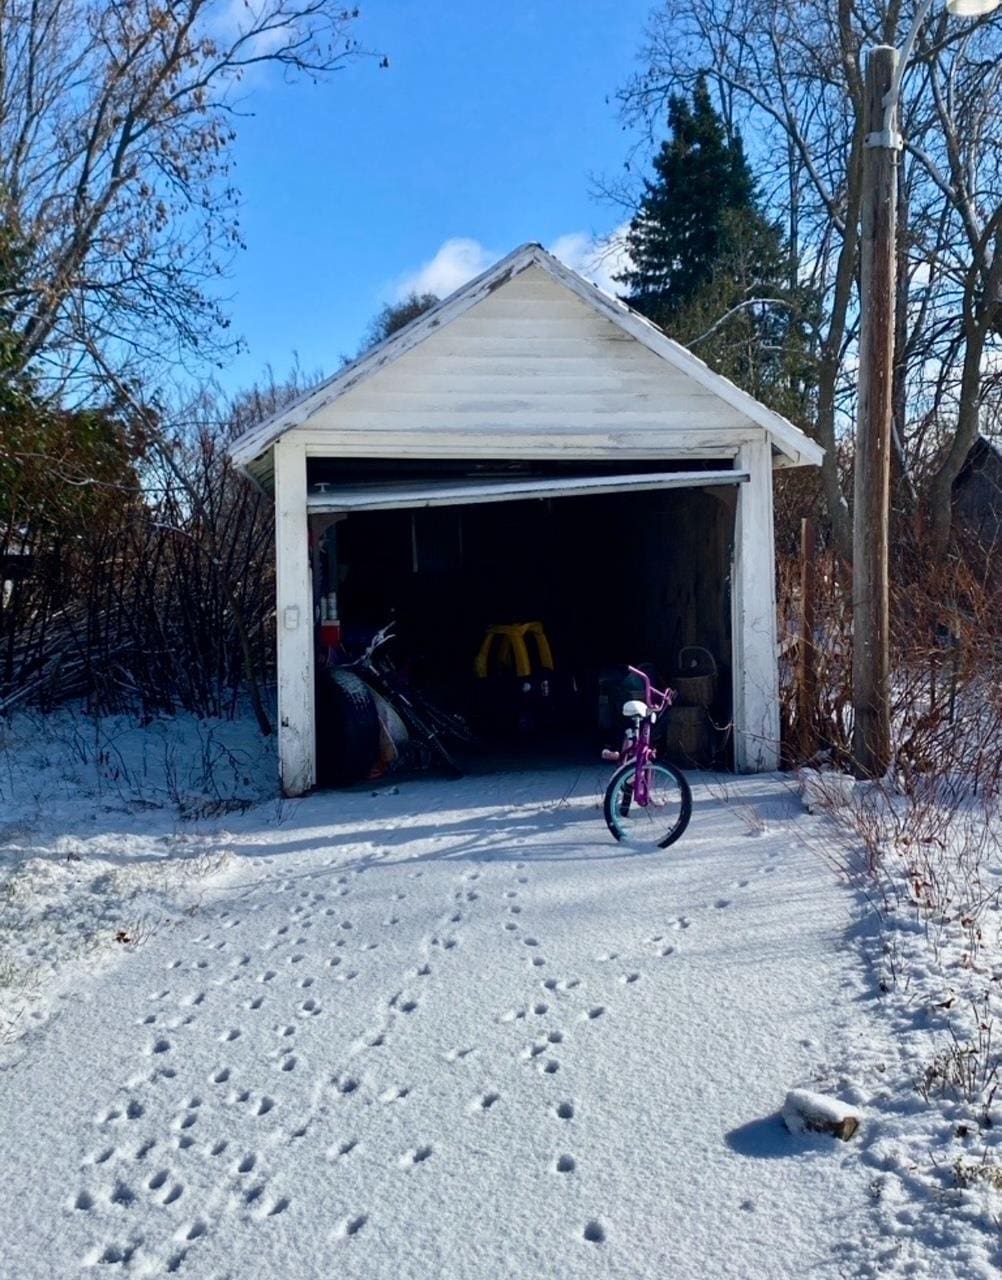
column 648, row 803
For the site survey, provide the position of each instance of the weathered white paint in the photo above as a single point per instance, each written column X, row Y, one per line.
column 528, row 349
column 398, row 495
column 530, row 361
column 500, row 440
column 294, row 622
column 753, row 617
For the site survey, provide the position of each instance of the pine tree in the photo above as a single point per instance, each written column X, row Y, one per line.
column 700, row 203
column 709, row 267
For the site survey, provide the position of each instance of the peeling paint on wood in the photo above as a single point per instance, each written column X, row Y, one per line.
column 626, row 326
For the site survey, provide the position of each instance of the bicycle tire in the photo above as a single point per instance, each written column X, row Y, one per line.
column 431, row 739
column 618, row 805
column 416, row 725
column 348, row 727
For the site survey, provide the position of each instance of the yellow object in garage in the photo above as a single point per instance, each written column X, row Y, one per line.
column 512, row 650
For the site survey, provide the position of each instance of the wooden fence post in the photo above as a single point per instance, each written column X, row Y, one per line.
column 807, row 672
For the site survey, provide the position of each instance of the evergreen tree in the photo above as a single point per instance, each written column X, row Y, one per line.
column 709, row 267
column 700, row 207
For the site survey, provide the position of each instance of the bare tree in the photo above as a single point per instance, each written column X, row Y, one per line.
column 116, row 124
column 788, row 73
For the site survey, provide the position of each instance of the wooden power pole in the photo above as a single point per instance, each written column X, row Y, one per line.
column 871, row 740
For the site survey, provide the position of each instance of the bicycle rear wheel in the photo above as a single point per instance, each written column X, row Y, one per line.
column 659, row 822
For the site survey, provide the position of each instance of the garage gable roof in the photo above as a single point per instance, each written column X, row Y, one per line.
column 796, row 447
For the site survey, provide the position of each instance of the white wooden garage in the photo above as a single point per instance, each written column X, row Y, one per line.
column 526, row 386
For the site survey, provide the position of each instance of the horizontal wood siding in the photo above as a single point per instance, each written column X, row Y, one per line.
column 529, row 370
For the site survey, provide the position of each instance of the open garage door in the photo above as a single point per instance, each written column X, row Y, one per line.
column 333, row 497
column 636, row 570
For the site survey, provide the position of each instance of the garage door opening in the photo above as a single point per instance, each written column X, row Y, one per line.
column 618, row 567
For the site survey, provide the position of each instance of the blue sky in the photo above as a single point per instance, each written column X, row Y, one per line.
column 483, row 131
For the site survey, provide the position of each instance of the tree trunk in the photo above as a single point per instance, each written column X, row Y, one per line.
column 979, row 304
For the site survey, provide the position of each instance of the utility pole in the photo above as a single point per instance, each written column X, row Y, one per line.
column 871, row 737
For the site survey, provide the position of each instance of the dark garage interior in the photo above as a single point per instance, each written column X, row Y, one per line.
column 638, row 578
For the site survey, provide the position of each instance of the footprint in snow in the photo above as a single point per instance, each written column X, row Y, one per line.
column 350, row 1227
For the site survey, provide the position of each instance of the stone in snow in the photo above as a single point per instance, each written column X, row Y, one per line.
column 805, row 1111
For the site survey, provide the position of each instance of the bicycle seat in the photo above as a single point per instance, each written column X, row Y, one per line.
column 635, row 708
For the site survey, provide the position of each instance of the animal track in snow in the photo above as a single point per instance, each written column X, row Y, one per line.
column 114, row 1254
column 565, row 1164
column 594, row 1232
column 417, row 1155
column 486, row 1101
column 351, row 1226
column 629, row 978
column 564, row 1110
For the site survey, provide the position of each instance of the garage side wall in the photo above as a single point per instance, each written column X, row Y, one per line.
column 756, row 666
column 294, row 622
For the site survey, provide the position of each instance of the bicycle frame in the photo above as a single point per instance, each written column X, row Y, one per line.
column 656, row 701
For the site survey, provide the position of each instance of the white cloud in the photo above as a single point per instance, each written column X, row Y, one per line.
column 458, row 260
column 597, row 258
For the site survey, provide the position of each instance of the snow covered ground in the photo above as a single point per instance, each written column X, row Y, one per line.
column 448, row 1029
column 107, row 837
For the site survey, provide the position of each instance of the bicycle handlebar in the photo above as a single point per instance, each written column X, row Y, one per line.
column 665, row 696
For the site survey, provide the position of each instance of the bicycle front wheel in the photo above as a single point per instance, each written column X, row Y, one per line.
column 659, row 822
